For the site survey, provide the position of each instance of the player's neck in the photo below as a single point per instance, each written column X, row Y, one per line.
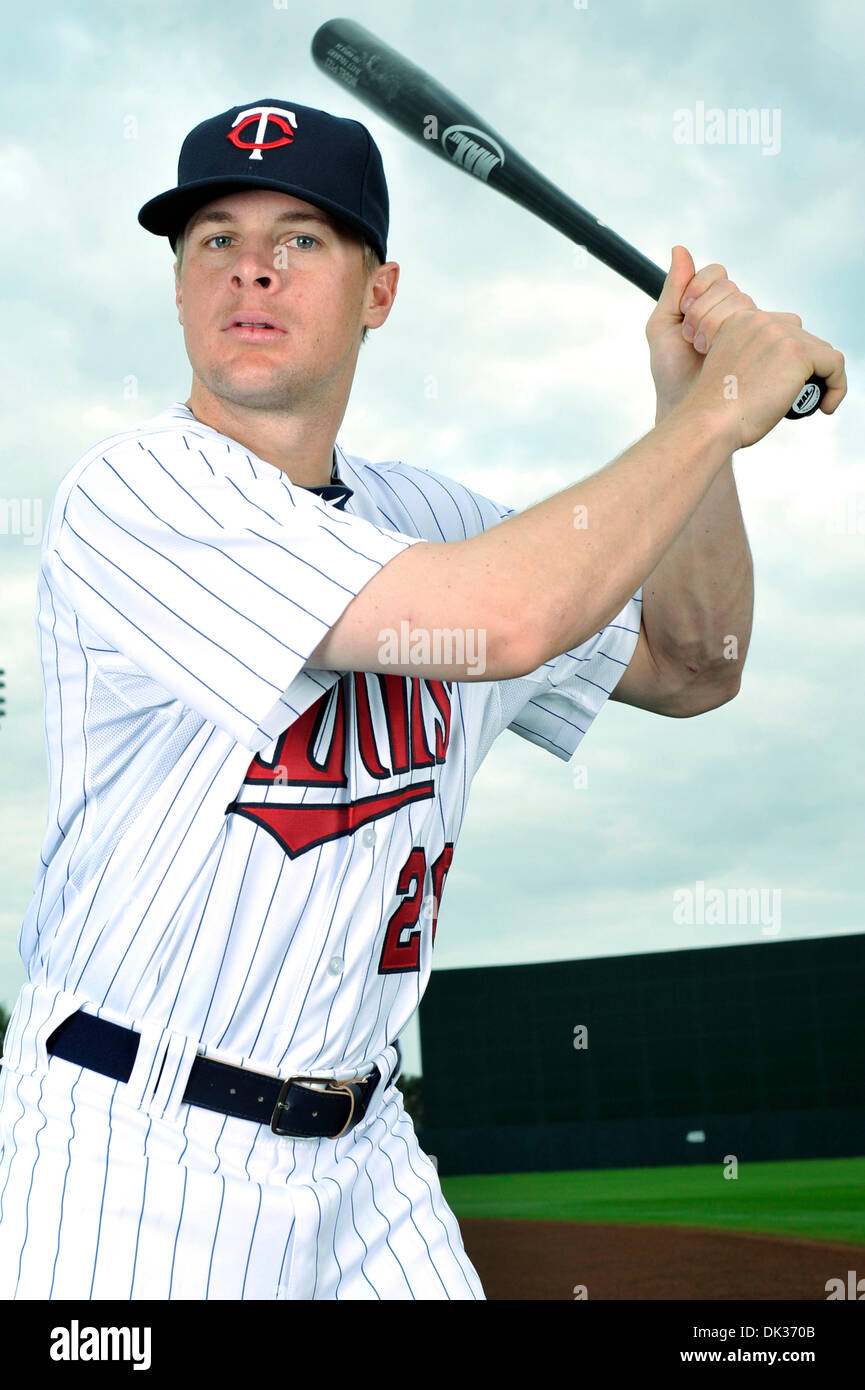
column 302, row 448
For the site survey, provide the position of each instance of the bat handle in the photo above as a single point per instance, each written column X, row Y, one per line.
column 808, row 399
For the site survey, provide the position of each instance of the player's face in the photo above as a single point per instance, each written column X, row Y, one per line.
column 270, row 257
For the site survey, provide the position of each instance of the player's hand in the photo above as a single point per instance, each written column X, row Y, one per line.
column 676, row 350
column 745, row 364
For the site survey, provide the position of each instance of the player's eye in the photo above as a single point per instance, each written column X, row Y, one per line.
column 302, row 236
column 220, row 236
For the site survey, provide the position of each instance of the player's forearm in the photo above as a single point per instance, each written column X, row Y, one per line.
column 698, row 601
column 566, row 566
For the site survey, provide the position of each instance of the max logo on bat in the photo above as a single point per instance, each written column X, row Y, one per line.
column 474, row 150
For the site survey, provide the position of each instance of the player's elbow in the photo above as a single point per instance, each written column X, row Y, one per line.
column 704, row 696
column 512, row 656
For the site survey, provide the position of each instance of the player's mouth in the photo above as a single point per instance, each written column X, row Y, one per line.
column 252, row 329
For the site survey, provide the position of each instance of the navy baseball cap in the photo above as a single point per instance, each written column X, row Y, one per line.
column 329, row 161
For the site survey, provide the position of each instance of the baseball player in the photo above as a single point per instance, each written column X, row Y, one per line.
column 271, row 670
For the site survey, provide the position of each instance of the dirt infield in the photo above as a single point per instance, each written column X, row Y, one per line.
column 547, row 1259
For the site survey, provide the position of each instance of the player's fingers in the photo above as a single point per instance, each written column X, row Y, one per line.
column 829, row 364
column 702, row 281
column 711, row 310
column 718, row 290
column 820, row 358
column 666, row 312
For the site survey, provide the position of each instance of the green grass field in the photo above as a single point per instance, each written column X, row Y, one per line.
column 814, row 1199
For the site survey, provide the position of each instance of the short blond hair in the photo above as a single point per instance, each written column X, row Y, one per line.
column 371, row 261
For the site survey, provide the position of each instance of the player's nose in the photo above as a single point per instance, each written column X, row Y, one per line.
column 265, row 278
column 255, row 263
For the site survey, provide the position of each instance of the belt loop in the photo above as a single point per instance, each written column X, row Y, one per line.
column 153, row 1042
column 389, row 1063
column 179, row 1056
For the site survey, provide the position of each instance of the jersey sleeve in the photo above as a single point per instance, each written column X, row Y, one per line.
column 554, row 705
column 216, row 586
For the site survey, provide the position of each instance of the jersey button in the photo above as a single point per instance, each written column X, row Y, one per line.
column 336, row 965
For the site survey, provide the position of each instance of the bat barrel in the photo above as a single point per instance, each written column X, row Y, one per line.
column 382, row 78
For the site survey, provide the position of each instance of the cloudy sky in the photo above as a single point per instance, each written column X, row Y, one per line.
column 512, row 364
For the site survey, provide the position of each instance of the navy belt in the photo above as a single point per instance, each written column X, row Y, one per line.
column 294, row 1108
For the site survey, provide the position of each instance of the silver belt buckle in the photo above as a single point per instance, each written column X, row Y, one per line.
column 327, row 1083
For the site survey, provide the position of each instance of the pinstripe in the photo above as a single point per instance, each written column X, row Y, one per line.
column 280, row 1280
column 255, row 1228
column 251, row 1244
column 325, row 1179
column 216, row 1145
column 182, row 1209
column 63, row 1193
column 140, row 1217
column 36, row 1158
column 215, row 1235
column 177, row 1232
column 317, row 1234
column 269, row 1000
column 194, row 943
column 104, row 1186
column 539, row 705
column 10, row 1158
column 59, row 689
column 258, row 942
column 84, row 802
column 350, row 1160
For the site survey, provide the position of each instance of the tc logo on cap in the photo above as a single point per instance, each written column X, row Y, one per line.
column 262, row 114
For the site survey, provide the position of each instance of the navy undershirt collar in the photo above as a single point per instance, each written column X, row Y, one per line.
column 335, row 491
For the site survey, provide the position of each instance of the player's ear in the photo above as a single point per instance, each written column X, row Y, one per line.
column 178, row 295
column 381, row 293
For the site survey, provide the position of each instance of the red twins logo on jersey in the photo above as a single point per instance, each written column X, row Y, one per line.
column 316, row 751
column 280, row 116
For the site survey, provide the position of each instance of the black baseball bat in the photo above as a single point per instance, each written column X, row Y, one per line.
column 426, row 111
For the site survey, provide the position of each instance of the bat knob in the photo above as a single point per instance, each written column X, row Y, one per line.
column 808, row 399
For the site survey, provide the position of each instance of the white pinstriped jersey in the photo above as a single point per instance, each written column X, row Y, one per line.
column 238, row 849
